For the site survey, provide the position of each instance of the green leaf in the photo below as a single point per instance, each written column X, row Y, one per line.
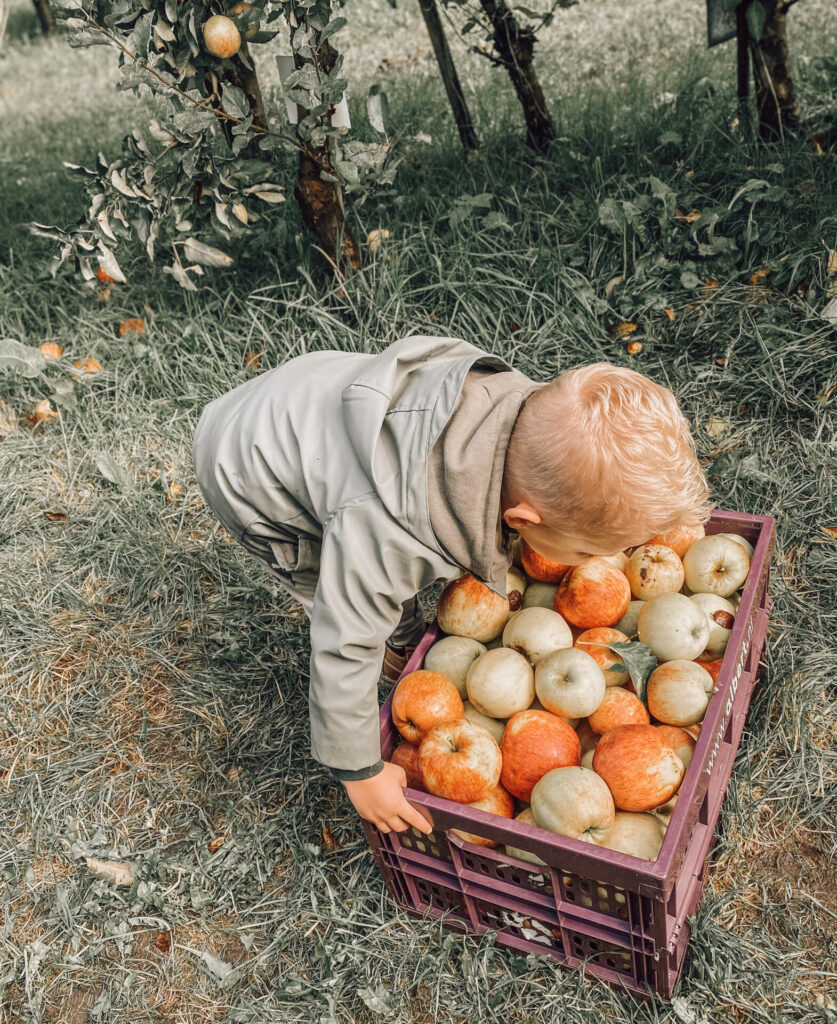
column 24, row 359
column 379, row 1000
column 611, row 216
column 377, row 107
column 333, row 26
column 756, row 17
column 689, row 280
column 198, row 252
column 106, row 465
column 639, row 660
column 234, row 101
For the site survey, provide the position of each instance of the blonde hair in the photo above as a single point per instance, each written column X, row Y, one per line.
column 604, row 453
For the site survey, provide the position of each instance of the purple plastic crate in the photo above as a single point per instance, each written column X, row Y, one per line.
column 620, row 918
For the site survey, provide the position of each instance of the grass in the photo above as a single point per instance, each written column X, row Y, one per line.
column 154, row 682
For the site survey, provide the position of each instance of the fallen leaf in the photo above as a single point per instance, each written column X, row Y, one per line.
column 118, row 872
column 721, row 362
column 689, row 217
column 634, row 348
column 104, row 276
column 103, row 294
column 163, row 942
column 515, row 327
column 375, row 237
column 43, row 413
column 706, row 291
column 252, row 360
column 133, row 323
column 611, row 284
column 715, row 426
column 816, row 141
column 670, row 314
column 56, row 516
column 216, row 844
column 431, row 317
column 87, row 365
column 758, row 277
column 174, row 491
column 329, row 842
column 831, row 263
column 624, row 329
column 830, row 531
column 826, row 393
column 49, row 350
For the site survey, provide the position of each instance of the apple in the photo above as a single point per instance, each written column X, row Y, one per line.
column 712, row 667
column 574, row 802
column 540, row 595
column 716, row 565
column 405, row 755
column 594, row 593
column 748, row 547
column 679, row 539
column 459, row 761
column 721, row 616
column 496, row 801
column 526, row 818
column 654, row 569
column 534, row 742
column 639, row 767
column 539, row 567
column 500, row 682
column 627, row 624
column 587, row 758
column 638, row 833
column 620, row 560
column 495, row 726
column 569, row 683
column 618, row 707
column 453, row 656
column 679, row 740
column 468, row 608
column 536, row 632
column 665, row 811
column 421, row 700
column 679, row 692
column 592, row 642
column 673, row 627
column 515, row 587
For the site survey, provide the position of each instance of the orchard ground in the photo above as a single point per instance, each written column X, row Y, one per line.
column 153, row 689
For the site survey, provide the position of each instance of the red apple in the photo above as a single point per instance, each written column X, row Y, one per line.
column 618, row 707
column 534, row 742
column 406, row 756
column 679, row 539
column 594, row 593
column 496, row 801
column 423, row 699
column 460, row 761
column 468, row 608
column 712, row 667
column 679, row 740
column 539, row 567
column 639, row 767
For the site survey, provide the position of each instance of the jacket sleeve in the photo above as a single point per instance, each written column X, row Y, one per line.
column 369, row 565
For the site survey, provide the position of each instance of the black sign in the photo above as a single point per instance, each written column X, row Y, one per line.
column 720, row 21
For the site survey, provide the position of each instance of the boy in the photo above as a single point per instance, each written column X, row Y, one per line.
column 359, row 479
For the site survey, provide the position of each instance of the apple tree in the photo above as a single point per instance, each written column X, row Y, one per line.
column 208, row 169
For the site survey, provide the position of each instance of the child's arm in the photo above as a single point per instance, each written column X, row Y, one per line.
column 381, row 800
column 369, row 565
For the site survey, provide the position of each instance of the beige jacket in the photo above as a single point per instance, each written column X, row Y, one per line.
column 327, row 460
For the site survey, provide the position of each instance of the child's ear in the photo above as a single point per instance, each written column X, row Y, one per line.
column 521, row 515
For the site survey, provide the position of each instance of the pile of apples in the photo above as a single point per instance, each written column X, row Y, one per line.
column 523, row 710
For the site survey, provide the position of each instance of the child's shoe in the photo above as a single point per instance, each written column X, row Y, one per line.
column 395, row 661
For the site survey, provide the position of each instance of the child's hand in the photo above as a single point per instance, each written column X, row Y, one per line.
column 381, row 800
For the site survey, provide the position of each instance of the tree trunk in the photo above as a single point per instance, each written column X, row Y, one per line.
column 461, row 115
column 321, row 202
column 775, row 99
column 42, row 9
column 4, row 16
column 515, row 46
